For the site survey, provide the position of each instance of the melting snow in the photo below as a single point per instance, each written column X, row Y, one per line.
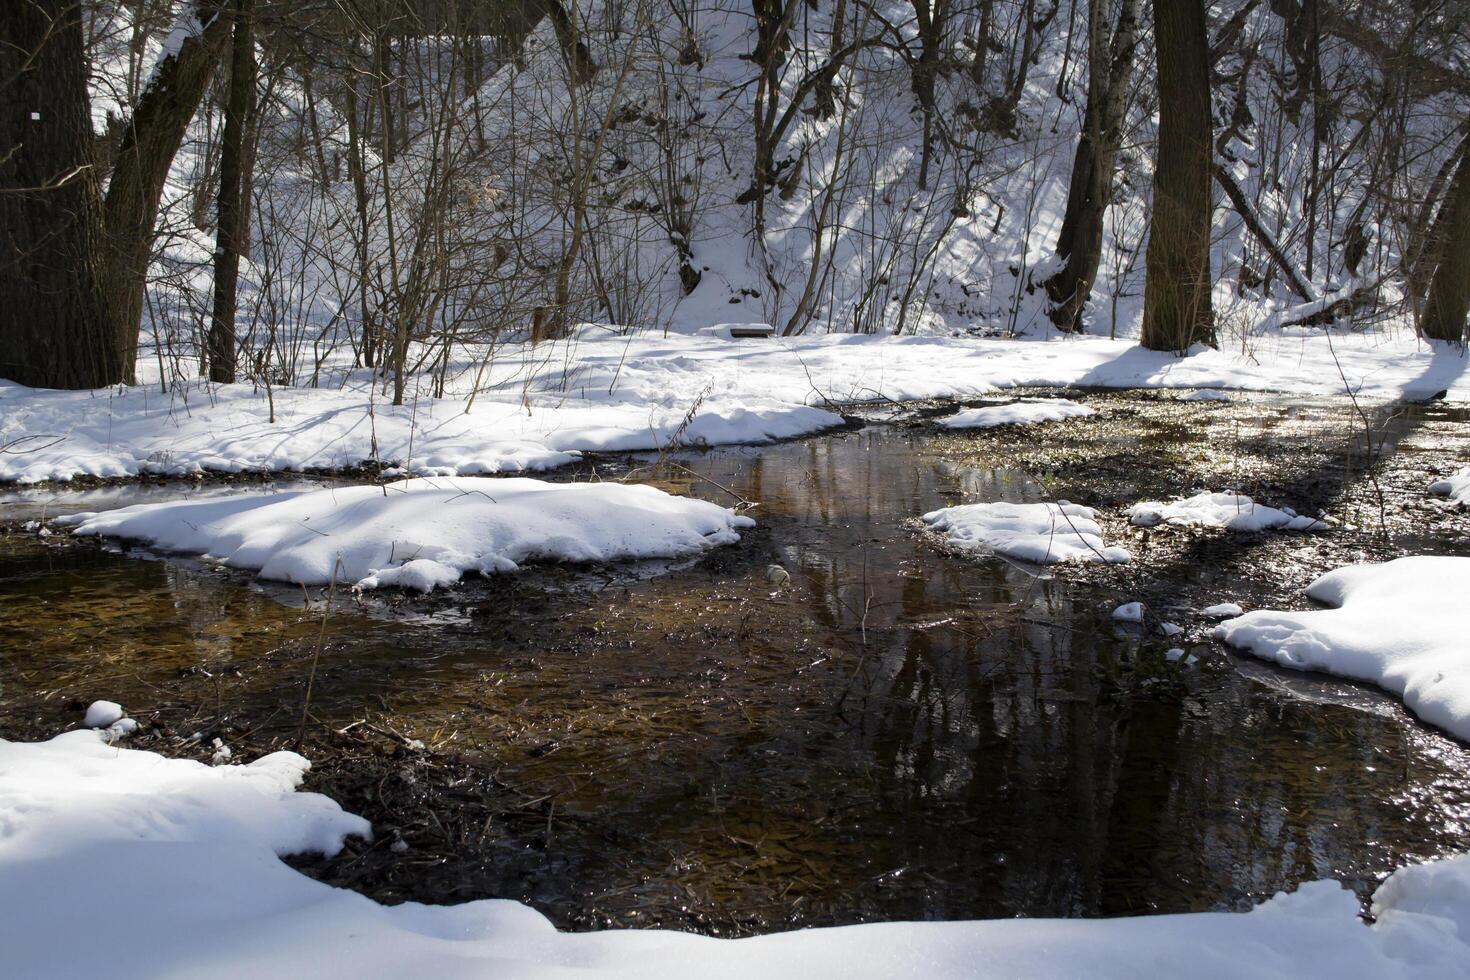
column 1016, row 413
column 1040, row 533
column 1456, row 487
column 1232, row 511
column 1129, row 612
column 1401, row 625
column 424, row 533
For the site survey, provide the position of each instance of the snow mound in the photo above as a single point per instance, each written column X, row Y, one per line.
column 101, row 714
column 1399, row 625
column 424, row 533
column 1016, row 413
column 1043, row 534
column 1221, row 610
column 1129, row 612
column 1456, row 487
column 1232, row 511
column 180, row 861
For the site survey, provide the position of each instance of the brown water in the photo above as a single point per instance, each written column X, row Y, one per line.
column 899, row 734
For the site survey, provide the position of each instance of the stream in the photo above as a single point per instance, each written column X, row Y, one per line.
column 898, row 733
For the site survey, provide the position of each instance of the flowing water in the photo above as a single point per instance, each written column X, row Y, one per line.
column 898, row 733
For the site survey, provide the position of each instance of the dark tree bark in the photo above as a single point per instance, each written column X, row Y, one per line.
column 932, row 20
column 233, row 234
column 1448, row 303
column 580, row 66
column 1177, row 310
column 1431, row 227
column 71, row 296
column 53, row 325
column 1110, row 71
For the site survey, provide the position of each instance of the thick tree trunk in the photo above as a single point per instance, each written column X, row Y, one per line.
column 1177, row 310
column 150, row 141
column 1448, row 302
column 53, row 323
column 1110, row 71
column 233, row 234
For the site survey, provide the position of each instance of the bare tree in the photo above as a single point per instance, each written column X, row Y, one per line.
column 1079, row 245
column 233, row 234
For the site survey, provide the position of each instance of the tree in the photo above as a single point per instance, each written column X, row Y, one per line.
column 72, row 299
column 233, row 233
column 1177, row 311
column 1110, row 70
column 53, row 329
column 1448, row 302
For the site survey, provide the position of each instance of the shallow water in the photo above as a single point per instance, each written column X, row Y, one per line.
column 899, row 734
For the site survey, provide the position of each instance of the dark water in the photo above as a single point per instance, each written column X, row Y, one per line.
column 898, row 734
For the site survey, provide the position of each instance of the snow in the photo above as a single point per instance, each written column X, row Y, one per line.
column 1221, row 610
column 1016, row 413
column 1129, row 612
column 423, row 533
column 537, row 408
column 121, row 728
column 1232, row 511
column 101, row 714
column 177, row 862
column 1456, row 487
column 1042, row 533
column 1400, row 625
column 1205, row 395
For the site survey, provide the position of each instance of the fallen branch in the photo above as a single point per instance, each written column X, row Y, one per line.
column 1294, row 279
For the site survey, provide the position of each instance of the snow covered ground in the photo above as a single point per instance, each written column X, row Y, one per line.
column 1016, row 413
column 423, row 533
column 535, row 408
column 124, row 863
column 1231, row 511
column 1400, row 625
column 1043, row 534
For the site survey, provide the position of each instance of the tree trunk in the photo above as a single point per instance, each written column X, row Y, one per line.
column 1448, row 302
column 149, row 143
column 53, row 326
column 233, row 234
column 1177, row 310
column 1080, row 243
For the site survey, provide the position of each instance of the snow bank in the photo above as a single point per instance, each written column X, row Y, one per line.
column 1400, row 625
column 1016, row 413
column 1456, row 487
column 1040, row 533
column 139, row 866
column 423, row 533
column 229, row 429
column 1232, row 511
column 535, row 408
